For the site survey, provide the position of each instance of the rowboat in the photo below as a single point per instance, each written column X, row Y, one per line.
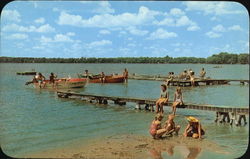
column 26, row 73
column 63, row 83
column 108, row 79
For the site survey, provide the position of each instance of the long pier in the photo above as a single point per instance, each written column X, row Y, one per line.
column 182, row 82
column 147, row 102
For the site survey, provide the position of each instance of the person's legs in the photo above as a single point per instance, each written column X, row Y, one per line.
column 177, row 128
column 160, row 132
column 157, row 105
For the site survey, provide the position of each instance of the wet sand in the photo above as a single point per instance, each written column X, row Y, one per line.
column 134, row 146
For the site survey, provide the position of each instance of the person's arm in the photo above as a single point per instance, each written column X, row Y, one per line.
column 182, row 99
column 185, row 131
column 199, row 130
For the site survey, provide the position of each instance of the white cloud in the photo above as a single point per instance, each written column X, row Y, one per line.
column 104, row 32
column 235, row 28
column 217, row 8
column 11, row 15
column 70, row 34
column 168, row 21
column 104, row 7
column 143, row 16
column 99, row 43
column 18, row 28
column 40, row 20
column 176, row 12
column 17, row 36
column 219, row 28
column 56, row 38
column 211, row 34
column 161, row 34
column 135, row 31
column 193, row 28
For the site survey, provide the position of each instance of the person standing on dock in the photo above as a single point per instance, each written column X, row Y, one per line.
column 163, row 99
column 125, row 75
column 178, row 99
column 202, row 73
column 194, row 128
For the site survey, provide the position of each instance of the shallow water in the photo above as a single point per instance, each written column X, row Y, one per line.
column 34, row 120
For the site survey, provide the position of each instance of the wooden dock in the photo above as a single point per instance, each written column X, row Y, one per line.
column 183, row 83
column 148, row 103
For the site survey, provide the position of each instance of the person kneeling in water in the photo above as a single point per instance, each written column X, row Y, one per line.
column 155, row 129
column 193, row 128
column 170, row 125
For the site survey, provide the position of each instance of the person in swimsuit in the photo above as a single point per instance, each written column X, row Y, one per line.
column 52, row 78
column 155, row 128
column 162, row 100
column 170, row 125
column 40, row 79
column 102, row 78
column 192, row 78
column 177, row 99
column 202, row 73
column 125, row 75
column 170, row 77
column 194, row 128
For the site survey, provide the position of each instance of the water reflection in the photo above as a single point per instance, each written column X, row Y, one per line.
column 187, row 152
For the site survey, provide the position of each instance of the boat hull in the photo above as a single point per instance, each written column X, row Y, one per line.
column 108, row 79
column 63, row 83
column 26, row 73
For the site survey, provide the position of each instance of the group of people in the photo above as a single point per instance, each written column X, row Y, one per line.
column 193, row 128
column 40, row 79
column 186, row 75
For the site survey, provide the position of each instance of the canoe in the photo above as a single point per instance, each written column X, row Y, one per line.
column 108, row 79
column 64, row 83
column 26, row 73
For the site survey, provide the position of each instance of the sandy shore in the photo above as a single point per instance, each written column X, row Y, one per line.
column 133, row 146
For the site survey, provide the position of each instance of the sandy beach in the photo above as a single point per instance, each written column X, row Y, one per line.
column 134, row 146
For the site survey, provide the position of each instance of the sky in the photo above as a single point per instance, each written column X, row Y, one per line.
column 123, row 29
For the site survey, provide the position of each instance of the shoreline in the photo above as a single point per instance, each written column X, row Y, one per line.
column 133, row 146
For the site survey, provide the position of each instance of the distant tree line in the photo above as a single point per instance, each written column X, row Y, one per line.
column 221, row 58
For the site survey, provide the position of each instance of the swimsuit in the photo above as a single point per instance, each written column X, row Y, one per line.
column 153, row 129
column 178, row 97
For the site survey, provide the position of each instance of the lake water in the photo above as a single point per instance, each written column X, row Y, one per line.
column 33, row 120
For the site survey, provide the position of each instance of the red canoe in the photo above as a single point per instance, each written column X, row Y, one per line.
column 108, row 79
column 64, row 83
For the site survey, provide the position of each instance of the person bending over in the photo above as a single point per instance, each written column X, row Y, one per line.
column 194, row 128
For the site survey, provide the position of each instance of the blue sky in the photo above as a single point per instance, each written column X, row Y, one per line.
column 123, row 29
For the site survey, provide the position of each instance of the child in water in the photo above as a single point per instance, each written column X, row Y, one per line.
column 162, row 100
column 170, row 125
column 194, row 128
column 155, row 128
column 177, row 99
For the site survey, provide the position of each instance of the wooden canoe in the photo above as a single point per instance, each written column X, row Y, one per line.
column 108, row 79
column 64, row 83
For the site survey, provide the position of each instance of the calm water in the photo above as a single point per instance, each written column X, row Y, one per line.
column 33, row 120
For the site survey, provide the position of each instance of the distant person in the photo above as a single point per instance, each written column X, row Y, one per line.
column 170, row 78
column 178, row 99
column 155, row 128
column 202, row 73
column 184, row 75
column 194, row 128
column 40, row 79
column 192, row 78
column 163, row 99
column 102, row 77
column 125, row 75
column 52, row 78
column 170, row 125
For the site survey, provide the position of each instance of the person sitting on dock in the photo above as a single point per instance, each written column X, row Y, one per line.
column 52, row 78
column 202, row 73
column 102, row 78
column 125, row 75
column 192, row 78
column 155, row 128
column 40, row 79
column 170, row 77
column 163, row 99
column 183, row 75
column 194, row 128
column 170, row 125
column 178, row 99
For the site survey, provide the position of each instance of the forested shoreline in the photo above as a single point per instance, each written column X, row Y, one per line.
column 221, row 58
